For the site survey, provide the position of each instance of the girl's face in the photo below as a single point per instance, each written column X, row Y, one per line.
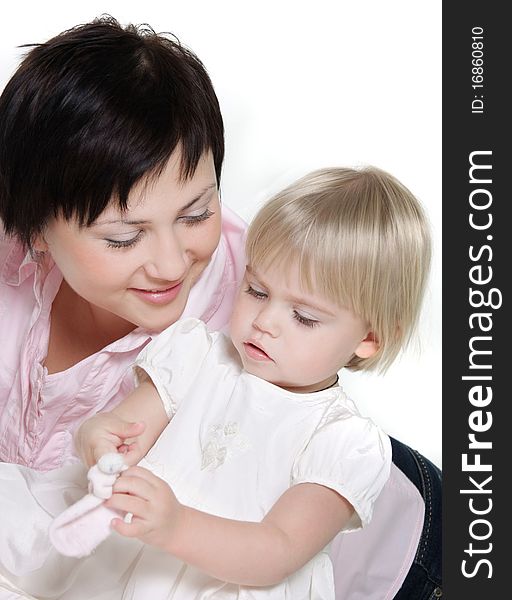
column 140, row 265
column 291, row 338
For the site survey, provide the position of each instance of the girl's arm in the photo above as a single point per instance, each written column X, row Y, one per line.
column 299, row 525
column 132, row 427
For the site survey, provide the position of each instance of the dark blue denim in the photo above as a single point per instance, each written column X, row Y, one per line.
column 423, row 582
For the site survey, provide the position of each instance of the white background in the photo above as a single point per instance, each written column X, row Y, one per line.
column 304, row 85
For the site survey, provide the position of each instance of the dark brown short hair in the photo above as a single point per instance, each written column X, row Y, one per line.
column 91, row 112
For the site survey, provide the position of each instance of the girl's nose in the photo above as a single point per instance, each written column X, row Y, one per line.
column 268, row 321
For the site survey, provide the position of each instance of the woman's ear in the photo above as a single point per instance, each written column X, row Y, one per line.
column 39, row 243
column 368, row 347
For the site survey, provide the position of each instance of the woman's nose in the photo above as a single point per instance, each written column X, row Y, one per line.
column 167, row 259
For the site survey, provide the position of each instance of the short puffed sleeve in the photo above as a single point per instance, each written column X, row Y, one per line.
column 173, row 359
column 351, row 455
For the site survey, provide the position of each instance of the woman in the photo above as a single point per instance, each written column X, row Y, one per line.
column 110, row 158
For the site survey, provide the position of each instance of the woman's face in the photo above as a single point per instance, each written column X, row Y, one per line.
column 141, row 264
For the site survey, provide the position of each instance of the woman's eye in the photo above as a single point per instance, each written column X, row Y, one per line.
column 123, row 243
column 305, row 320
column 255, row 293
column 196, row 219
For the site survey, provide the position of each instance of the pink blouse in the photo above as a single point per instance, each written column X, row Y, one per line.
column 39, row 411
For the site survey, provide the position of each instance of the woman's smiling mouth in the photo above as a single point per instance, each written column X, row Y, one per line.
column 156, row 296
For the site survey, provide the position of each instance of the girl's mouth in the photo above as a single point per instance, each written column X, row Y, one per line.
column 255, row 352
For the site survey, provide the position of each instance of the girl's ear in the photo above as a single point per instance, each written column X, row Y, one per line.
column 368, row 347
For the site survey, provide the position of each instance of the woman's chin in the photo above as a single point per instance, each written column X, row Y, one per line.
column 157, row 323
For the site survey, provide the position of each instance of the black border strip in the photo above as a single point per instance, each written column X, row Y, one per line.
column 476, row 324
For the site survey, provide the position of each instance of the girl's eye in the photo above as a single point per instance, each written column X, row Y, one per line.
column 304, row 320
column 259, row 295
column 196, row 219
column 123, row 243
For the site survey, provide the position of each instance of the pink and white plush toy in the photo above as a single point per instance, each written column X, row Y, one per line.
column 81, row 527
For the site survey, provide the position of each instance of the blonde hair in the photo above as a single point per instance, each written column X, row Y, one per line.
column 361, row 240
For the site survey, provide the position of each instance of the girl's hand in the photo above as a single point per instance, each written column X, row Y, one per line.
column 107, row 432
column 155, row 509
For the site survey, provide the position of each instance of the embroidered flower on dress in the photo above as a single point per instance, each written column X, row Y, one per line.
column 223, row 441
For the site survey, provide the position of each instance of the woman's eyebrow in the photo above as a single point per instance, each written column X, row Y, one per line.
column 122, row 221
column 196, row 198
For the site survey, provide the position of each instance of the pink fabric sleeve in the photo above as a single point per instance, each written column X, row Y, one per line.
column 374, row 561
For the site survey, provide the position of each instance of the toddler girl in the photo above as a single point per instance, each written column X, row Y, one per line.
column 262, row 459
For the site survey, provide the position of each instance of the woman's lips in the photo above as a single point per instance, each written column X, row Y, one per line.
column 156, row 296
column 255, row 352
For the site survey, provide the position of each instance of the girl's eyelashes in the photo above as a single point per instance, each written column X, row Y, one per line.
column 124, row 243
column 255, row 293
column 305, row 320
column 196, row 219
column 259, row 295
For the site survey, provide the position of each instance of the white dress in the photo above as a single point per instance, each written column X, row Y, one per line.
column 234, row 445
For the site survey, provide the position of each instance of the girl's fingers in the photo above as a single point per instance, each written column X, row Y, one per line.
column 132, row 453
column 142, row 473
column 102, row 448
column 133, row 529
column 126, row 430
column 130, row 504
column 129, row 484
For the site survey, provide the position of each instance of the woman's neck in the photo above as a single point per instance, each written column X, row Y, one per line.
column 78, row 330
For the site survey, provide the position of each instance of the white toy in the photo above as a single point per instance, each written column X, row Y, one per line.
column 103, row 474
column 85, row 524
